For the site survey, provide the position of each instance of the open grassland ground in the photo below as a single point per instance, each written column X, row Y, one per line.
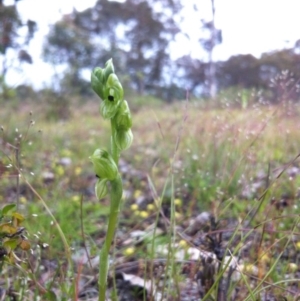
column 222, row 182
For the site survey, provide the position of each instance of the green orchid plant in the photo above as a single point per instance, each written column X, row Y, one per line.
column 113, row 107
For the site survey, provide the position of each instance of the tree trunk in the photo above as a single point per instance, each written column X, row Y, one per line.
column 212, row 67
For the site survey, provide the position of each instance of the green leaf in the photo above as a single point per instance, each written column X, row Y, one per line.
column 7, row 209
column 50, row 296
column 11, row 243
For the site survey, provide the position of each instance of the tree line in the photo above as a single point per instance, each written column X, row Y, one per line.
column 137, row 35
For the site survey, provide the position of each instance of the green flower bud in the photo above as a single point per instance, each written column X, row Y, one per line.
column 97, row 80
column 113, row 89
column 104, row 165
column 109, row 109
column 108, row 70
column 101, row 188
column 123, row 117
column 113, row 96
column 123, row 138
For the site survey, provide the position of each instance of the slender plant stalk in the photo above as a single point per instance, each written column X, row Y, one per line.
column 113, row 107
column 114, row 149
column 115, row 197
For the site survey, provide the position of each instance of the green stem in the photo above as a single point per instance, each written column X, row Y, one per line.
column 115, row 198
column 114, row 149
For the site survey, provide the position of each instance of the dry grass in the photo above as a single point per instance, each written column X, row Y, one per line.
column 222, row 154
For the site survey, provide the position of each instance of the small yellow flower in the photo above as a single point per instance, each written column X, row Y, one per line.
column 78, row 171
column 59, row 170
column 298, row 245
column 144, row 214
column 150, row 207
column 129, row 251
column 265, row 257
column 137, row 194
column 183, row 243
column 250, row 268
column 75, row 198
column 23, row 200
column 134, row 207
column 177, row 215
column 292, row 267
column 178, row 202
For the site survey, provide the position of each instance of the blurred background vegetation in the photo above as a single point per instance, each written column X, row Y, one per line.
column 239, row 133
column 139, row 44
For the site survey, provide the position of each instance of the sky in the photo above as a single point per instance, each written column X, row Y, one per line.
column 248, row 26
